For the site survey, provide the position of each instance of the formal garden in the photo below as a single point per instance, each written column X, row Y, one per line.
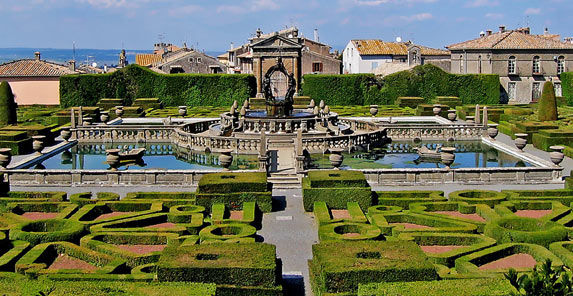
column 190, row 179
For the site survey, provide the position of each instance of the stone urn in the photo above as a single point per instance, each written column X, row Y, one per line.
column 182, row 111
column 38, row 143
column 373, row 110
column 87, row 120
column 452, row 115
column 556, row 154
column 321, row 104
column 104, row 116
column 119, row 111
column 316, row 110
column 226, row 159
column 520, row 141
column 65, row 133
column 336, row 158
column 67, row 157
column 492, row 130
column 470, row 119
column 437, row 109
column 326, row 109
column 312, row 104
column 246, row 104
column 5, row 157
column 447, row 156
column 112, row 158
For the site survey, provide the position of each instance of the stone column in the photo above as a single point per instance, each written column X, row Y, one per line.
column 299, row 157
column 298, row 73
column 258, row 69
column 263, row 158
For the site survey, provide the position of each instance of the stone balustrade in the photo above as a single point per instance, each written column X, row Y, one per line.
column 399, row 132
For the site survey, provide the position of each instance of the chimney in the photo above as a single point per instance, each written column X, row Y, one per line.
column 232, row 45
column 546, row 32
column 38, row 55
column 568, row 40
column 72, row 65
column 502, row 29
column 259, row 33
column 482, row 34
column 488, row 32
column 316, row 38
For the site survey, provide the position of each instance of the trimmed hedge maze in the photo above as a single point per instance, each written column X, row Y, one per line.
column 149, row 238
column 420, row 243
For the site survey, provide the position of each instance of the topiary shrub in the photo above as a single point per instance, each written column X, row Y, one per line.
column 50, row 230
column 525, row 230
column 7, row 105
column 348, row 231
column 548, row 105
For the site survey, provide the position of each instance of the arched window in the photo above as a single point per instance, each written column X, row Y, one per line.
column 536, row 65
column 461, row 64
column 479, row 64
column 560, row 65
column 511, row 67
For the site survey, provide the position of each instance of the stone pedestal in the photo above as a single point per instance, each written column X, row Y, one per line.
column 263, row 163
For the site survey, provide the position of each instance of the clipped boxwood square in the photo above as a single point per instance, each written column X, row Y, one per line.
column 337, row 179
column 233, row 182
column 341, row 266
column 251, row 264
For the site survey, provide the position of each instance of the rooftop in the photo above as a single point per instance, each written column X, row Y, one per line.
column 34, row 68
column 514, row 39
column 379, row 47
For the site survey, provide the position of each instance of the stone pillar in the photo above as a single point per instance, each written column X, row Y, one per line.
column 263, row 158
column 258, row 69
column 81, row 117
column 298, row 73
column 299, row 157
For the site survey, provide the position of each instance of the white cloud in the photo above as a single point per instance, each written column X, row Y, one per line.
column 494, row 16
column 113, row 3
column 482, row 3
column 533, row 11
column 417, row 17
column 253, row 6
column 185, row 10
column 379, row 2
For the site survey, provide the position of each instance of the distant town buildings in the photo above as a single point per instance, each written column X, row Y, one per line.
column 35, row 81
column 522, row 60
column 170, row 59
column 383, row 58
column 299, row 54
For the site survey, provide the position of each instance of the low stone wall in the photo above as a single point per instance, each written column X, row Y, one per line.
column 172, row 178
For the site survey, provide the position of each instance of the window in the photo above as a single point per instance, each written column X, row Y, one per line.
column 560, row 65
column 479, row 64
column 191, row 60
column 511, row 91
column 374, row 65
column 536, row 65
column 199, row 60
column 536, row 91
column 461, row 64
column 511, row 67
column 558, row 89
column 317, row 67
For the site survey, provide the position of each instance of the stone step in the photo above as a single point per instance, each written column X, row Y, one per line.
column 284, row 181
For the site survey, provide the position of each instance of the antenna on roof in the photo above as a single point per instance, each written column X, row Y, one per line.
column 398, row 39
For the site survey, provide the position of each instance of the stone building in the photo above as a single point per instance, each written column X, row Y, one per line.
column 299, row 54
column 35, row 81
column 383, row 58
column 523, row 61
column 170, row 59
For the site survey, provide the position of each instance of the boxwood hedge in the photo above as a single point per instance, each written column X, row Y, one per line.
column 50, row 230
column 333, row 188
column 487, row 197
column 403, row 199
column 525, row 230
column 461, row 287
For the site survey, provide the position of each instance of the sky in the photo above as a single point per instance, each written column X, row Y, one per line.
column 212, row 25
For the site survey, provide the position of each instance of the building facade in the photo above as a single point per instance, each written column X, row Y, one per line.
column 382, row 58
column 35, row 81
column 299, row 54
column 522, row 60
column 170, row 59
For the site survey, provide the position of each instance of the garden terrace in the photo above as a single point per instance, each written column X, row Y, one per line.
column 334, row 267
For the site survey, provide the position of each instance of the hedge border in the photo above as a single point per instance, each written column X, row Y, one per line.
column 558, row 210
column 541, row 232
column 443, row 225
column 564, row 196
column 95, row 208
column 219, row 212
column 324, row 216
column 64, row 209
column 403, row 199
column 12, row 251
column 69, row 231
column 185, row 224
column 85, row 198
column 484, row 211
column 244, row 230
column 460, row 287
column 493, row 197
column 327, row 232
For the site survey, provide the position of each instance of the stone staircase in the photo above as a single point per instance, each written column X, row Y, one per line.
column 285, row 180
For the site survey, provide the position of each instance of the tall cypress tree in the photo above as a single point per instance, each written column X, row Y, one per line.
column 548, row 104
column 7, row 105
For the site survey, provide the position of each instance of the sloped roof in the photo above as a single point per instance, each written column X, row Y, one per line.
column 33, row 68
column 379, row 47
column 512, row 40
column 147, row 59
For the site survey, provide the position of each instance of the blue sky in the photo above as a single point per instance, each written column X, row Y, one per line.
column 214, row 24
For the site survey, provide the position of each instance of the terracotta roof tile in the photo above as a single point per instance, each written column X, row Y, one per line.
column 379, row 47
column 147, row 59
column 512, row 40
column 32, row 67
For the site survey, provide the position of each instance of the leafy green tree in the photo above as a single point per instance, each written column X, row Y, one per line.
column 548, row 104
column 543, row 281
column 7, row 105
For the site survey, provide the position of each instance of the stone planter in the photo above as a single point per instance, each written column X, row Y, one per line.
column 452, row 115
column 226, row 159
column 119, row 111
column 112, row 158
column 437, row 109
column 447, row 156
column 65, row 133
column 373, row 110
column 38, row 143
column 182, row 111
column 87, row 121
column 492, row 130
column 5, row 157
column 556, row 154
column 336, row 158
column 104, row 116
column 520, row 141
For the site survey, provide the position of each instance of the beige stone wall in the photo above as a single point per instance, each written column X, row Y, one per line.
column 35, row 90
column 329, row 65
